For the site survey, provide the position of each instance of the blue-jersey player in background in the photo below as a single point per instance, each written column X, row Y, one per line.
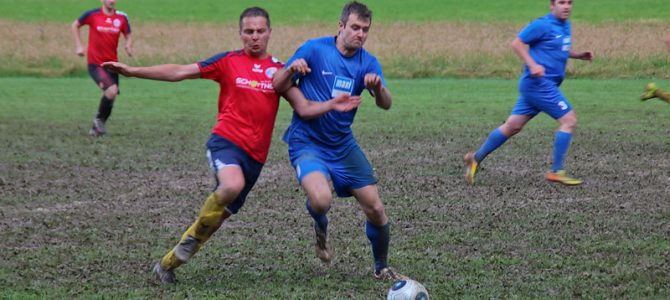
column 544, row 46
column 324, row 147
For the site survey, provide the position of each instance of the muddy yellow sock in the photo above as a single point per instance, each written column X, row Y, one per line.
column 170, row 261
column 208, row 220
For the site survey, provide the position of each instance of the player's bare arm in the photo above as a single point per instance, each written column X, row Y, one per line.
column 521, row 50
column 586, row 55
column 79, row 48
column 382, row 95
column 308, row 109
column 129, row 44
column 166, row 72
column 282, row 78
column 667, row 42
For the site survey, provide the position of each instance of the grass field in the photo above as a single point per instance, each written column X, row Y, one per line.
column 87, row 217
column 460, row 39
column 296, row 11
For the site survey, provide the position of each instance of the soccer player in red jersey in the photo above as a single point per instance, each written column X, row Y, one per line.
column 240, row 140
column 105, row 24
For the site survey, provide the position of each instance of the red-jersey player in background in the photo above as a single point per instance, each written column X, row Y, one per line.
column 240, row 140
column 105, row 24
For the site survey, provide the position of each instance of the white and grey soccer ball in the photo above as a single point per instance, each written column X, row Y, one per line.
column 407, row 289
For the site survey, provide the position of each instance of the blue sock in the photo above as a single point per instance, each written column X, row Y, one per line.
column 320, row 220
column 379, row 238
column 561, row 145
column 495, row 140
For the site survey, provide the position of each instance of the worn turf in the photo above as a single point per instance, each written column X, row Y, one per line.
column 86, row 217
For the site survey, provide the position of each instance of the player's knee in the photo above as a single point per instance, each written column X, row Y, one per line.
column 568, row 122
column 510, row 129
column 320, row 201
column 375, row 210
column 229, row 189
column 111, row 92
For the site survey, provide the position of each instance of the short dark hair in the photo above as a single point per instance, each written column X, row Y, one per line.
column 255, row 12
column 355, row 7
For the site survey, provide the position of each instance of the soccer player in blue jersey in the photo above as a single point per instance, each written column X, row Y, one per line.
column 651, row 90
column 544, row 46
column 324, row 147
column 239, row 144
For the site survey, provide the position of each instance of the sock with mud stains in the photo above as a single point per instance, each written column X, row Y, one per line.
column 379, row 237
column 320, row 220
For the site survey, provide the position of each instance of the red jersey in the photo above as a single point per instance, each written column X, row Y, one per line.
column 103, row 34
column 247, row 101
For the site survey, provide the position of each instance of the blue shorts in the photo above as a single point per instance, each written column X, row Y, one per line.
column 103, row 78
column 351, row 172
column 222, row 153
column 541, row 95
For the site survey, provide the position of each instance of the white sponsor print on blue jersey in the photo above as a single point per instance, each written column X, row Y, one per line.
column 342, row 85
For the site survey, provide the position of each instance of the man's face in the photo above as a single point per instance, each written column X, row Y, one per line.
column 255, row 35
column 561, row 9
column 109, row 4
column 354, row 33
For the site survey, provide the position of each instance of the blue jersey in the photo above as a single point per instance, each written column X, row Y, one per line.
column 549, row 40
column 332, row 74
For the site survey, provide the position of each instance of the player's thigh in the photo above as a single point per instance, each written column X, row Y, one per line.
column 315, row 185
column 352, row 172
column 104, row 79
column 368, row 198
column 550, row 100
column 312, row 173
column 235, row 171
column 524, row 107
column 231, row 179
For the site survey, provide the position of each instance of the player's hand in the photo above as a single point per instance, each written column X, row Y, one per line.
column 299, row 66
column 129, row 50
column 536, row 70
column 372, row 81
column 116, row 67
column 80, row 51
column 344, row 102
column 588, row 55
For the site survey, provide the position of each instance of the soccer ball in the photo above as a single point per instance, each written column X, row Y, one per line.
column 407, row 289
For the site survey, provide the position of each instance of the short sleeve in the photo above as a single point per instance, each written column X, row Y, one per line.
column 126, row 26
column 376, row 68
column 84, row 18
column 210, row 68
column 533, row 32
column 303, row 52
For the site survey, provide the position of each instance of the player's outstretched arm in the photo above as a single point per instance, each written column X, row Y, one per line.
column 382, row 95
column 282, row 79
column 307, row 109
column 586, row 55
column 167, row 72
